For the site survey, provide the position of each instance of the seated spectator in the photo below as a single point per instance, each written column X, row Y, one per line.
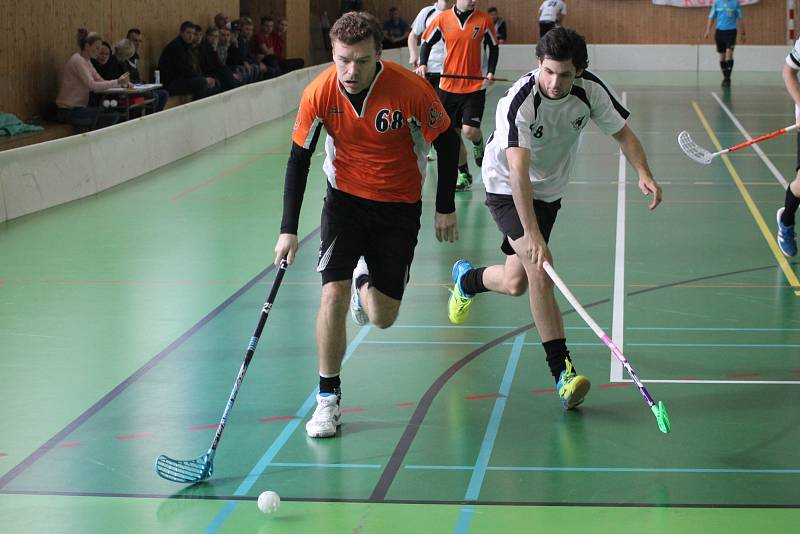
column 262, row 41
column 78, row 80
column 134, row 35
column 499, row 25
column 267, row 66
column 221, row 21
column 278, row 43
column 231, row 57
column 101, row 63
column 210, row 64
column 123, row 51
column 177, row 73
column 395, row 30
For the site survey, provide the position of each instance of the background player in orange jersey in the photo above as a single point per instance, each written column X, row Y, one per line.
column 464, row 31
column 380, row 119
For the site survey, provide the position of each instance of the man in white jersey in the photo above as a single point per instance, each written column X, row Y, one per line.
column 526, row 169
column 787, row 240
column 551, row 13
column 418, row 27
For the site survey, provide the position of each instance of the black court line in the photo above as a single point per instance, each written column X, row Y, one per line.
column 415, row 423
column 122, row 386
column 578, row 504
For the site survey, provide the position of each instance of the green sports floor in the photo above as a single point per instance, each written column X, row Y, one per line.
column 124, row 318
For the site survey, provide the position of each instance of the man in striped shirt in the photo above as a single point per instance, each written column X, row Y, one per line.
column 526, row 169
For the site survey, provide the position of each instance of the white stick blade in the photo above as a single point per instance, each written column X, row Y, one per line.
column 693, row 150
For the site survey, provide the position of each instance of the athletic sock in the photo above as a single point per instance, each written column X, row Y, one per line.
column 329, row 385
column 361, row 280
column 463, row 168
column 557, row 356
column 472, row 281
column 791, row 205
column 723, row 66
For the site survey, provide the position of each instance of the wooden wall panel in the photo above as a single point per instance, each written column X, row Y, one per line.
column 38, row 36
column 616, row 21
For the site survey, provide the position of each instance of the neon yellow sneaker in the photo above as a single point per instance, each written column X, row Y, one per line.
column 460, row 302
column 572, row 388
column 464, row 181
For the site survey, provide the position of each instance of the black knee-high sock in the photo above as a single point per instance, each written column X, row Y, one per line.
column 463, row 168
column 723, row 66
column 472, row 281
column 790, row 208
column 330, row 384
column 727, row 67
column 557, row 356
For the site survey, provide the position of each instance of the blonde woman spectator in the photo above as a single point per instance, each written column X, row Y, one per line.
column 78, row 80
column 120, row 64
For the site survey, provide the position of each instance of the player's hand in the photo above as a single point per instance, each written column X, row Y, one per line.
column 533, row 249
column 648, row 185
column 412, row 60
column 705, row 34
column 422, row 70
column 490, row 78
column 285, row 247
column 446, row 225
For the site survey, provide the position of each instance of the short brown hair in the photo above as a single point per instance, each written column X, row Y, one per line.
column 357, row 26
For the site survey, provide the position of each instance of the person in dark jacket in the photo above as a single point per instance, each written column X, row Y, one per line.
column 177, row 73
column 211, row 65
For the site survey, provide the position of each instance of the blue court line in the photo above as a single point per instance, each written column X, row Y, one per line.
column 280, row 441
column 666, row 470
column 485, row 453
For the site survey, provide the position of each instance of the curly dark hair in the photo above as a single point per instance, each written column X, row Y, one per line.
column 356, row 26
column 562, row 44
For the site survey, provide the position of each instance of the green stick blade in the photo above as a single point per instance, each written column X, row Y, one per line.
column 662, row 417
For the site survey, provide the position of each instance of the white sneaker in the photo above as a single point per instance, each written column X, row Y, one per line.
column 357, row 311
column 327, row 417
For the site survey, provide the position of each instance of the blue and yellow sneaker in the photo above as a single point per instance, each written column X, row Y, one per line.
column 459, row 303
column 477, row 152
column 464, row 181
column 787, row 240
column 572, row 388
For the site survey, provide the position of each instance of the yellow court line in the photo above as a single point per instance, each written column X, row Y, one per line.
column 765, row 231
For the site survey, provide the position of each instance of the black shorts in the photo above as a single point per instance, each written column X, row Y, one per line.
column 385, row 233
column 797, row 167
column 464, row 108
column 433, row 78
column 725, row 39
column 506, row 217
column 546, row 26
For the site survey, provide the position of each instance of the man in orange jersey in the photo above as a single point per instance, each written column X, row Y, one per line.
column 464, row 30
column 380, row 119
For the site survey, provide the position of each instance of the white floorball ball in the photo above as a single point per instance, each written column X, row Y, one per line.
column 268, row 502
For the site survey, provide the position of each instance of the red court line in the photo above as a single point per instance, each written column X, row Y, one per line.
column 205, row 427
column 543, row 391
column 134, row 436
column 281, row 418
column 616, row 385
column 487, row 396
column 351, row 410
column 796, row 371
column 71, row 444
column 406, row 404
column 744, row 375
column 3, row 454
column 688, row 378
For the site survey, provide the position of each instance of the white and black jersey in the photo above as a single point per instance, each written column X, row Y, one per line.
column 550, row 129
column 793, row 60
column 420, row 24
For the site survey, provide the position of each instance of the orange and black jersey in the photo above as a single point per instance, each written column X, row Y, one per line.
column 464, row 33
column 376, row 152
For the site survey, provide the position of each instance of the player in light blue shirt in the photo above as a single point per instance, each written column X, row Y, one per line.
column 727, row 13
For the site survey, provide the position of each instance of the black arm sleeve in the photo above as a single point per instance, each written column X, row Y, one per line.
column 494, row 53
column 425, row 49
column 295, row 187
column 446, row 146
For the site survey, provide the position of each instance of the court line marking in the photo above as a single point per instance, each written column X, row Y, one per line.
column 618, row 299
column 487, row 445
column 708, row 470
column 765, row 231
column 775, row 172
column 669, row 328
column 266, row 459
column 600, row 344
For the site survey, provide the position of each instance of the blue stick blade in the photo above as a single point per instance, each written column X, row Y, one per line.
column 185, row 471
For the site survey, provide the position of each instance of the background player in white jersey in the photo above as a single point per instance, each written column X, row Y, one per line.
column 787, row 240
column 526, row 169
column 551, row 13
column 418, row 27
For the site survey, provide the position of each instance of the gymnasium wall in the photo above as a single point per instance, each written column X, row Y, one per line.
column 611, row 21
column 38, row 36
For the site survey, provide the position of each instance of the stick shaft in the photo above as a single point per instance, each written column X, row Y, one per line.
column 465, row 77
column 597, row 330
column 764, row 137
column 251, row 348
